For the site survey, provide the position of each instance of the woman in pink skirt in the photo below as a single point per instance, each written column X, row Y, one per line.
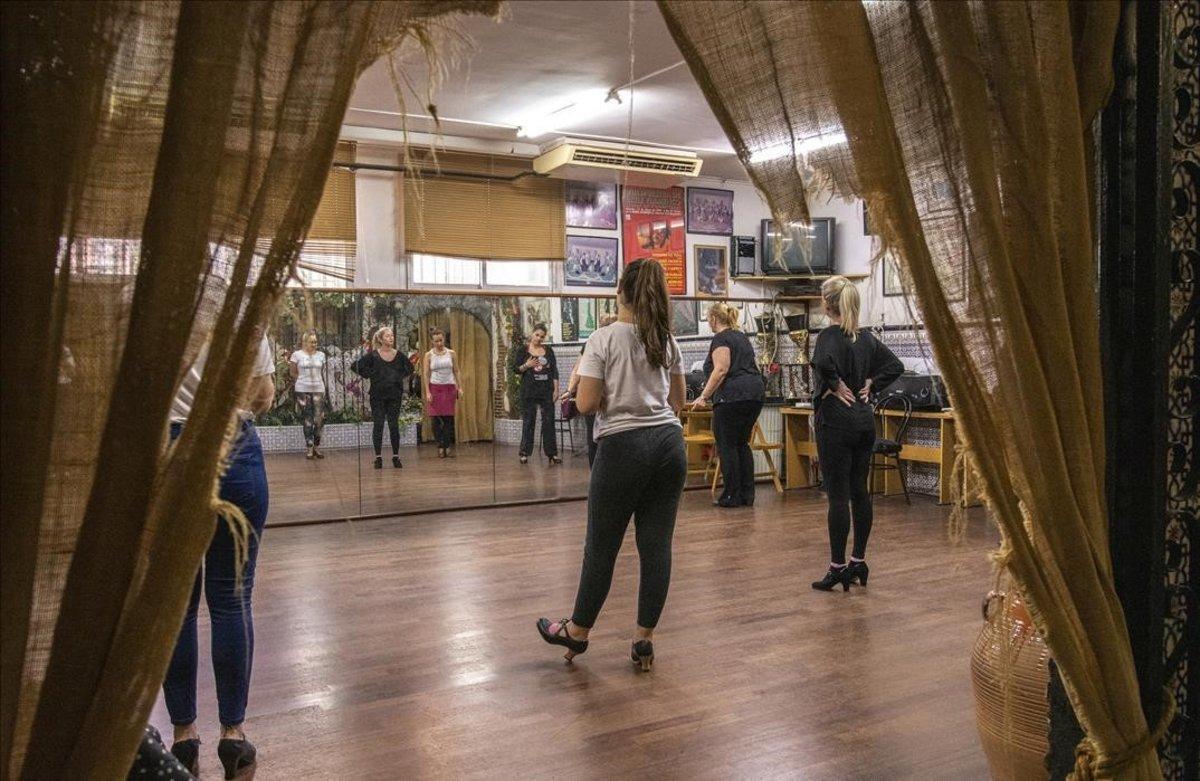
column 439, row 373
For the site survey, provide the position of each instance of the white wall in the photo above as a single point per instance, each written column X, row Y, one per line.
column 381, row 261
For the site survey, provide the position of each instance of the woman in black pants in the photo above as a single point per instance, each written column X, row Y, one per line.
column 736, row 389
column 848, row 363
column 387, row 369
column 631, row 377
column 537, row 367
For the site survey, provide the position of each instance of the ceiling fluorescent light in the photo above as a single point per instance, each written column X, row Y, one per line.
column 802, row 147
column 584, row 106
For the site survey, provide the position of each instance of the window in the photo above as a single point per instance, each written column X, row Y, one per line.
column 518, row 273
column 462, row 272
column 439, row 270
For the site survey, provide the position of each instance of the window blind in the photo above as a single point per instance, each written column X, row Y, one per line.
column 478, row 218
column 331, row 247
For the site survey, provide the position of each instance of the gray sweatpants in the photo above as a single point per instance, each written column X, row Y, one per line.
column 638, row 473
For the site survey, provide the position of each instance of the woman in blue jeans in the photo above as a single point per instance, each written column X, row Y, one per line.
column 243, row 484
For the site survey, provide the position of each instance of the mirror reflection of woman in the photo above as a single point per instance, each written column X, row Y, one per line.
column 440, row 380
column 537, row 367
column 387, row 370
column 307, row 367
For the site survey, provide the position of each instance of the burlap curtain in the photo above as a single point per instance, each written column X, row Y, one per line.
column 161, row 166
column 965, row 127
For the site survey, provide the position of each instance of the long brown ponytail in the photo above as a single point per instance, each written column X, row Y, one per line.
column 644, row 286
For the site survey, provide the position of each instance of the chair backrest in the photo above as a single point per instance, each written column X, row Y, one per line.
column 903, row 403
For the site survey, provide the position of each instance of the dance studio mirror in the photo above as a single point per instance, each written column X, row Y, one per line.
column 340, row 398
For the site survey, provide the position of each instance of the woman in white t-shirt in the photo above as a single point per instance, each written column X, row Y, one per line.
column 631, row 376
column 308, row 369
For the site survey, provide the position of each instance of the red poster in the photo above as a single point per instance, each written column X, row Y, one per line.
column 654, row 228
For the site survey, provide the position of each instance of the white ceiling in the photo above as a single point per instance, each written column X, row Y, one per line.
column 541, row 59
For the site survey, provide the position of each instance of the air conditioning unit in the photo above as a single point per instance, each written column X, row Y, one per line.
column 599, row 161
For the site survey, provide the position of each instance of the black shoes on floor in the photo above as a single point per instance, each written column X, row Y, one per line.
column 239, row 759
column 852, row 572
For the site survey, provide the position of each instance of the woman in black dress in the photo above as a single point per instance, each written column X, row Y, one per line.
column 537, row 367
column 735, row 387
column 387, row 369
column 848, row 364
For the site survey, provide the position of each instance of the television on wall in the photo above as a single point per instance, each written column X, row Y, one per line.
column 792, row 259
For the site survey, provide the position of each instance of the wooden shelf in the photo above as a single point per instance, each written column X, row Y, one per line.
column 794, row 278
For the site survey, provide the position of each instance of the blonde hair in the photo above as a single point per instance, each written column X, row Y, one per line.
column 841, row 297
column 377, row 339
column 726, row 314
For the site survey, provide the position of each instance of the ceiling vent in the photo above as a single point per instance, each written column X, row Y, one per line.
column 597, row 161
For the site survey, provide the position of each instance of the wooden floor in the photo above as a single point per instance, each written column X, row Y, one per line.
column 406, row 648
column 345, row 482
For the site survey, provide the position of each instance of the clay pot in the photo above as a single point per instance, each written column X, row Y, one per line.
column 1009, row 673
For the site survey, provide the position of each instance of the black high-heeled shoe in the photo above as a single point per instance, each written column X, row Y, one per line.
column 832, row 578
column 561, row 637
column 555, row 460
column 728, row 501
column 379, row 462
column 858, row 570
column 643, row 655
column 396, row 462
column 188, row 754
column 239, row 758
column 524, row 459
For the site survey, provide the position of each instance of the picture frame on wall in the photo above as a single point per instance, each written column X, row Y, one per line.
column 591, row 261
column 709, row 212
column 685, row 318
column 892, row 284
column 712, row 270
column 570, row 319
column 591, row 205
column 534, row 311
column 587, row 317
column 866, row 220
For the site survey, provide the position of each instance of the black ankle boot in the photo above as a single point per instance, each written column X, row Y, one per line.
column 858, row 570
column 188, row 754
column 396, row 462
column 379, row 462
column 238, row 757
column 833, row 577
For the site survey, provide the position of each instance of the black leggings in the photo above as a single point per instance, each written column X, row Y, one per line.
column 529, row 412
column 443, row 430
column 845, row 466
column 385, row 411
column 733, row 422
column 637, row 473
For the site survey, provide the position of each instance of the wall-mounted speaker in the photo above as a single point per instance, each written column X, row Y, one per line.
column 743, row 256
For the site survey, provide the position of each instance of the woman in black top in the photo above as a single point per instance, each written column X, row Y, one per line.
column 387, row 370
column 736, row 388
column 537, row 367
column 848, row 363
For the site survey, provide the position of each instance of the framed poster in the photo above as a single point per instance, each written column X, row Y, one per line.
column 712, row 274
column 570, row 319
column 535, row 311
column 654, row 228
column 710, row 211
column 587, row 317
column 685, row 318
column 605, row 306
column 591, row 261
column 892, row 286
column 591, row 205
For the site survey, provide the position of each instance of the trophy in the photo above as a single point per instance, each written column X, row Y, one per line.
column 797, row 326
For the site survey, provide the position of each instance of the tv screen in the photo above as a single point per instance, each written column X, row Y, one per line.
column 792, row 258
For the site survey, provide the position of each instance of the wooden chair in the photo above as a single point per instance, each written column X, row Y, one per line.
column 703, row 439
column 759, row 443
